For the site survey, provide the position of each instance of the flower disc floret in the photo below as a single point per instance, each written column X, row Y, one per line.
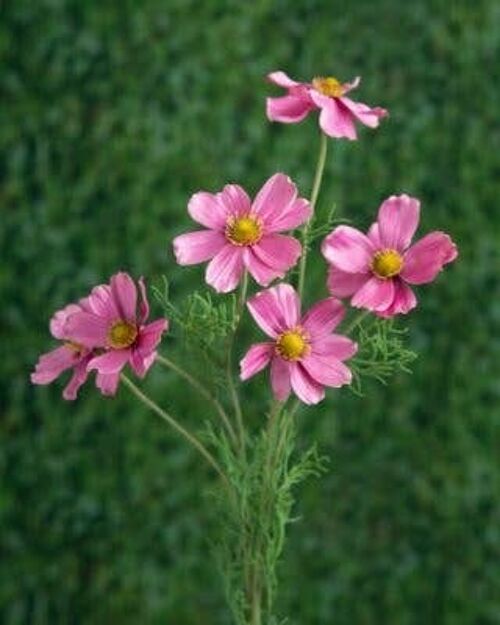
column 328, row 86
column 245, row 230
column 122, row 334
column 387, row 263
column 293, row 344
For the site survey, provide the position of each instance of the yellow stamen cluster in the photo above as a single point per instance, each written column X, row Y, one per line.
column 328, row 86
column 292, row 344
column 122, row 334
column 387, row 263
column 245, row 230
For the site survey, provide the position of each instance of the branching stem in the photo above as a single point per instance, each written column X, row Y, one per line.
column 188, row 436
column 318, row 177
column 229, row 364
column 202, row 390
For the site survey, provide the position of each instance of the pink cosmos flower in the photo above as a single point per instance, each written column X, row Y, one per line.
column 69, row 355
column 338, row 112
column 115, row 323
column 304, row 354
column 375, row 269
column 243, row 234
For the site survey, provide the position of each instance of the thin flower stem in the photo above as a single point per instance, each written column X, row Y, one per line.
column 318, row 177
column 229, row 363
column 356, row 321
column 177, row 427
column 202, row 390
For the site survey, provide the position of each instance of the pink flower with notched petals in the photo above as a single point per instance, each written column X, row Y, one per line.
column 243, row 234
column 68, row 356
column 338, row 113
column 304, row 354
column 115, row 323
column 376, row 269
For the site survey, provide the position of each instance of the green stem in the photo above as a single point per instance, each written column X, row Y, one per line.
column 318, row 177
column 202, row 390
column 229, row 364
column 356, row 321
column 177, row 427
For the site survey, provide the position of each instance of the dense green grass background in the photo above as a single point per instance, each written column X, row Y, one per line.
column 113, row 113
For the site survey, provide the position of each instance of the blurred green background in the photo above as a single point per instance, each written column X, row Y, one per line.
column 113, row 113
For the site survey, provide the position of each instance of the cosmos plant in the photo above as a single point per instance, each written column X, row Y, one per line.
column 255, row 251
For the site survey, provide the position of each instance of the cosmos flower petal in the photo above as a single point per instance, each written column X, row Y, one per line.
column 124, row 293
column 348, row 249
column 426, row 258
column 256, row 359
column 344, row 284
column 323, row 317
column 225, row 269
column 110, row 362
column 207, row 209
column 398, row 219
column 327, row 370
column 280, row 379
column 307, row 390
column 375, row 295
column 197, row 247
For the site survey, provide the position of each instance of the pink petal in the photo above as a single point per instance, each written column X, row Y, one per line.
column 374, row 235
column 275, row 309
column 280, row 378
column 375, row 295
column 274, row 199
column 348, row 249
column 107, row 383
column 262, row 273
column 206, row 209
column 235, row 200
column 225, row 269
column 197, row 247
column 323, row 317
column 398, row 219
column 125, row 295
column 343, row 284
column 87, row 329
column 368, row 116
column 80, row 375
column 59, row 319
column 404, row 300
column 327, row 370
column 294, row 215
column 144, row 303
column 256, row 359
column 307, row 390
column 288, row 109
column 102, row 303
column 424, row 260
column 335, row 120
column 141, row 362
column 110, row 362
column 336, row 345
column 279, row 251
column 53, row 363
column 150, row 336
column 282, row 80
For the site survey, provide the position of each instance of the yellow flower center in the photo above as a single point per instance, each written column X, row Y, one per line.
column 122, row 334
column 243, row 230
column 387, row 263
column 292, row 344
column 328, row 86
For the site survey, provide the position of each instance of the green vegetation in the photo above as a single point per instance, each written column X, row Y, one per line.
column 113, row 113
